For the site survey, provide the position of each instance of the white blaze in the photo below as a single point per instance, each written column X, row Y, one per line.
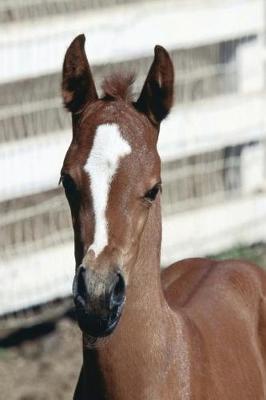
column 107, row 150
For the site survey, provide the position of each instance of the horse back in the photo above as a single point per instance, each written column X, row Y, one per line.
column 192, row 280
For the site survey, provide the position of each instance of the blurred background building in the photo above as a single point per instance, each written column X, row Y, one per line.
column 212, row 145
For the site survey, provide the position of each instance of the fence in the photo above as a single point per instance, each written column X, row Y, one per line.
column 212, row 145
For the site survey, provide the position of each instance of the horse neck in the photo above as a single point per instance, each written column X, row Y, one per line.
column 144, row 295
column 144, row 288
column 145, row 329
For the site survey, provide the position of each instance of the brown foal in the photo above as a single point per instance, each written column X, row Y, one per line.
column 195, row 330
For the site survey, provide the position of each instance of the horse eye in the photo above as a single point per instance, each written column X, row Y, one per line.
column 152, row 193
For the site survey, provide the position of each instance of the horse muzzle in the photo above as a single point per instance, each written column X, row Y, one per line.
column 98, row 300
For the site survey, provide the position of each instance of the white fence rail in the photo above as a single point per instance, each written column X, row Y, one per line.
column 47, row 274
column 125, row 32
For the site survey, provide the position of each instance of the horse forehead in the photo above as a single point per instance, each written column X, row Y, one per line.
column 108, row 147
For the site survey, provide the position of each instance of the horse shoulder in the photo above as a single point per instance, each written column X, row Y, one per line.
column 224, row 306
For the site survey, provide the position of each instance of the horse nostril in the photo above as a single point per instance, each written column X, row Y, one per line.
column 80, row 287
column 117, row 294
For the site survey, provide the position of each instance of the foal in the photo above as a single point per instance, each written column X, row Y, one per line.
column 194, row 331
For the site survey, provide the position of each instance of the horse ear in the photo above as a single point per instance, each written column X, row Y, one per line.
column 157, row 94
column 78, row 87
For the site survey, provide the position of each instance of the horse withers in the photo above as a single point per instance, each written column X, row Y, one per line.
column 196, row 330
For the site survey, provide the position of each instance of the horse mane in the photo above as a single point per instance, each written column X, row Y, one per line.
column 119, row 86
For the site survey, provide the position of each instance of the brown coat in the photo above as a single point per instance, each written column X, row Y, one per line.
column 195, row 331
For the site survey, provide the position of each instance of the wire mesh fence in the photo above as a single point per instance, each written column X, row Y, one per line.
column 33, row 106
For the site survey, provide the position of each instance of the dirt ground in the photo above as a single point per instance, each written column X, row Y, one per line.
column 46, row 368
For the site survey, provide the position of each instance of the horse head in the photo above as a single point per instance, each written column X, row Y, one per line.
column 111, row 177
